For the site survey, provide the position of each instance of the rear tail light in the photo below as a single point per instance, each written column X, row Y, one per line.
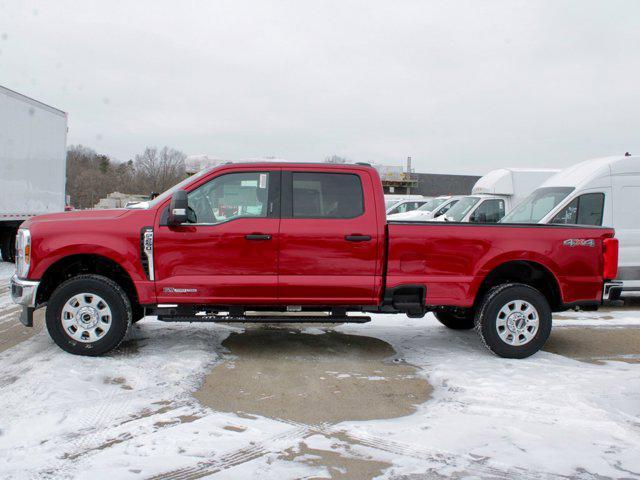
column 610, row 254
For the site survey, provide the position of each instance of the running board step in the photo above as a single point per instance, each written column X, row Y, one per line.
column 265, row 319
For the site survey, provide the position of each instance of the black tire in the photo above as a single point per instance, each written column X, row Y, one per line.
column 8, row 242
column 114, row 297
column 487, row 320
column 455, row 322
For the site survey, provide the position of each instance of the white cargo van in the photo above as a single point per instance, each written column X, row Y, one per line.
column 603, row 191
column 33, row 144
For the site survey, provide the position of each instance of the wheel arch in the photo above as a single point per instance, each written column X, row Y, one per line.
column 80, row 264
column 527, row 272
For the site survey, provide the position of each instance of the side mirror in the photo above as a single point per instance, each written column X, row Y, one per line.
column 178, row 208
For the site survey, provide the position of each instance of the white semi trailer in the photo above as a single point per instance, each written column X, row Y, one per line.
column 33, row 143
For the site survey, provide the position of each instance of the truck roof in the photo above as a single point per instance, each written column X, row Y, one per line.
column 290, row 164
column 32, row 101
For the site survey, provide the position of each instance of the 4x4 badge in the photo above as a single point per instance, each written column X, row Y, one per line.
column 579, row 242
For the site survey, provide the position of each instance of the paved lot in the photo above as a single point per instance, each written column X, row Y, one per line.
column 398, row 398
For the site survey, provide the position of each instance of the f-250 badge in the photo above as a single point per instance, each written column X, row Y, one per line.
column 579, row 242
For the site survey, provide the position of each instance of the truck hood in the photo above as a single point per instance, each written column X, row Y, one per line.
column 77, row 215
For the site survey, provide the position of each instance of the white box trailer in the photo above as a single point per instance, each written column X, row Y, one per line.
column 33, row 144
column 602, row 191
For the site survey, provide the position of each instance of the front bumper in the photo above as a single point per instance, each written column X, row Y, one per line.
column 23, row 292
column 611, row 290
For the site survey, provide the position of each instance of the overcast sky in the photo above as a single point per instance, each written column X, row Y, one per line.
column 461, row 86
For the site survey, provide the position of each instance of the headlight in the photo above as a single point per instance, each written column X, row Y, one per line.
column 23, row 252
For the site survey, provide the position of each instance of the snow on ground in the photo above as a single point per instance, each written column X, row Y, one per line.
column 6, row 271
column 131, row 414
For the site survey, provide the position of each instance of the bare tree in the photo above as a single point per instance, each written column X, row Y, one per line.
column 92, row 176
column 156, row 170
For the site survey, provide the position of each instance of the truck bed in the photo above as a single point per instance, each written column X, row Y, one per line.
column 452, row 259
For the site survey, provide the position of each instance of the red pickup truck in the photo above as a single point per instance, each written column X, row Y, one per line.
column 251, row 242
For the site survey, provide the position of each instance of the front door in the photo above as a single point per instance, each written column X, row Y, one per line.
column 228, row 253
column 328, row 239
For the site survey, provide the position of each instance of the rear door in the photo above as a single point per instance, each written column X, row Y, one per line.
column 328, row 238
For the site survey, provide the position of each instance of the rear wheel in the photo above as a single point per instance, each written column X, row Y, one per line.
column 514, row 320
column 464, row 321
column 88, row 315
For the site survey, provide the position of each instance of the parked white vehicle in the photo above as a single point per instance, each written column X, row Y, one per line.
column 497, row 193
column 33, row 138
column 602, row 191
column 406, row 205
column 392, row 199
column 476, row 209
column 434, row 207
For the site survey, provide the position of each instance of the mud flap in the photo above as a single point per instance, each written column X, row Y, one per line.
column 26, row 317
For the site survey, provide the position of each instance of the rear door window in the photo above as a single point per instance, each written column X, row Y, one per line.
column 327, row 195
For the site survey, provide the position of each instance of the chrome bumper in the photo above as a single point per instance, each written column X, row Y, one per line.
column 611, row 289
column 23, row 292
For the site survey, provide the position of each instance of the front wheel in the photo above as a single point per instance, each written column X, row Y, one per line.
column 514, row 320
column 88, row 315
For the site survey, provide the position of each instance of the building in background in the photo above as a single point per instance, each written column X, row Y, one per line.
column 405, row 181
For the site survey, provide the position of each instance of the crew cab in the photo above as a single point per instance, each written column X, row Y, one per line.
column 266, row 242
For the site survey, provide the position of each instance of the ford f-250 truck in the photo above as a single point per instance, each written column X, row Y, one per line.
column 249, row 242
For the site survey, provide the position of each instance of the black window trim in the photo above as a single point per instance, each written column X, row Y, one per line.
column 273, row 199
column 286, row 195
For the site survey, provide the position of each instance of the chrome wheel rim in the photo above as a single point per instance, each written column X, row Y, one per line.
column 86, row 317
column 517, row 323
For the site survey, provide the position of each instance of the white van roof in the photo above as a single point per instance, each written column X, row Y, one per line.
column 503, row 180
column 583, row 173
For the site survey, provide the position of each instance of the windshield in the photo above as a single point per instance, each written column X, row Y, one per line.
column 537, row 205
column 178, row 186
column 432, row 204
column 460, row 209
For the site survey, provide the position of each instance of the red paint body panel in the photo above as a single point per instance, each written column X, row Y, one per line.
column 308, row 261
column 453, row 260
